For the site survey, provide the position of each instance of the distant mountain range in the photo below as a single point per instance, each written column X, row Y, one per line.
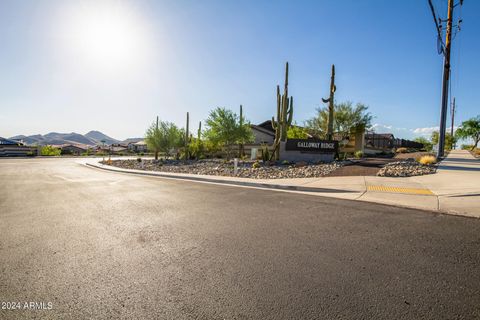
column 91, row 138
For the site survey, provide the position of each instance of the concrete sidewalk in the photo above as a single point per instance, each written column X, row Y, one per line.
column 454, row 189
column 456, row 184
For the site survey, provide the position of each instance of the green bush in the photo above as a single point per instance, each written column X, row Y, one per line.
column 358, row 154
column 296, row 132
column 50, row 151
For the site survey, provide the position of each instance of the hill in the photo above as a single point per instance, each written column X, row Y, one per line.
column 98, row 136
column 91, row 138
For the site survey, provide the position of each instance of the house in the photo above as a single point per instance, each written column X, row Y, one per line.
column 262, row 134
column 9, row 148
column 118, row 149
column 137, row 147
column 73, row 149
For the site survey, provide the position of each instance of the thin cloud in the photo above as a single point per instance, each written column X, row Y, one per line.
column 427, row 131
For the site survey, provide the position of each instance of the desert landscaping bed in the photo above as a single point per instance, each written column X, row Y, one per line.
column 220, row 167
column 406, row 168
column 412, row 155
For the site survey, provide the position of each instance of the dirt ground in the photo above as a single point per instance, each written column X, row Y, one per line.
column 412, row 155
column 362, row 167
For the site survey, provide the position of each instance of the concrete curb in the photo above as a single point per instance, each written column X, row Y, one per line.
column 220, row 181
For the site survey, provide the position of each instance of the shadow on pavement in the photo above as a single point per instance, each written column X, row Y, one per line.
column 456, row 168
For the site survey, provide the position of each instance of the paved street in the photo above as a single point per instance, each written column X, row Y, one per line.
column 104, row 245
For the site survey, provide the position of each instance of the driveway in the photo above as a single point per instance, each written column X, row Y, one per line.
column 104, row 245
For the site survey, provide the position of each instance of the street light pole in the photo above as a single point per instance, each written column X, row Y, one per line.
column 445, row 82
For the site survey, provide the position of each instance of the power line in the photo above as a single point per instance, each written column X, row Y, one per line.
column 440, row 44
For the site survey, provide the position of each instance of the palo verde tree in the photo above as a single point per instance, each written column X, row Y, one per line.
column 347, row 119
column 427, row 144
column 224, row 129
column 164, row 137
column 449, row 140
column 296, row 132
column 470, row 129
column 196, row 145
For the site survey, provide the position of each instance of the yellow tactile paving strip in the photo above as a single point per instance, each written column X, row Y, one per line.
column 400, row 190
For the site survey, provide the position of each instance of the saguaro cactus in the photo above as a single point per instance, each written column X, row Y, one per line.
column 187, row 137
column 241, row 151
column 284, row 116
column 330, row 102
column 199, row 132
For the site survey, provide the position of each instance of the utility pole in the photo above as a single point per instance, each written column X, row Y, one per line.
column 445, row 82
column 452, row 112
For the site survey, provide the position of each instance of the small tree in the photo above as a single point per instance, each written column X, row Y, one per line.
column 296, row 132
column 163, row 136
column 50, row 151
column 470, row 129
column 449, row 140
column 224, row 129
column 427, row 145
column 173, row 138
column 153, row 138
column 347, row 119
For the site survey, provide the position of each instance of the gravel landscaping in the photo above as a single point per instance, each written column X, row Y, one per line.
column 219, row 167
column 406, row 168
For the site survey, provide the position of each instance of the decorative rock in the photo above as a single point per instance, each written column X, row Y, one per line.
column 406, row 168
column 246, row 169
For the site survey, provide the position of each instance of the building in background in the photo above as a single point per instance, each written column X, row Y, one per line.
column 14, row 148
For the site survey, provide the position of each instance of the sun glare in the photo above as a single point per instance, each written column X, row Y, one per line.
column 105, row 35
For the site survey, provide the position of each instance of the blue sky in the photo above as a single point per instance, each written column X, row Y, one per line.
column 114, row 65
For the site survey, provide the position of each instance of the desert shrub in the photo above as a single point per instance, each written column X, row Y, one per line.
column 358, row 154
column 401, row 150
column 256, row 165
column 296, row 132
column 343, row 155
column 139, row 159
column 265, row 152
column 427, row 160
column 50, row 151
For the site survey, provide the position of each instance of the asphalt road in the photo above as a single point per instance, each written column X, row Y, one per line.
column 103, row 245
